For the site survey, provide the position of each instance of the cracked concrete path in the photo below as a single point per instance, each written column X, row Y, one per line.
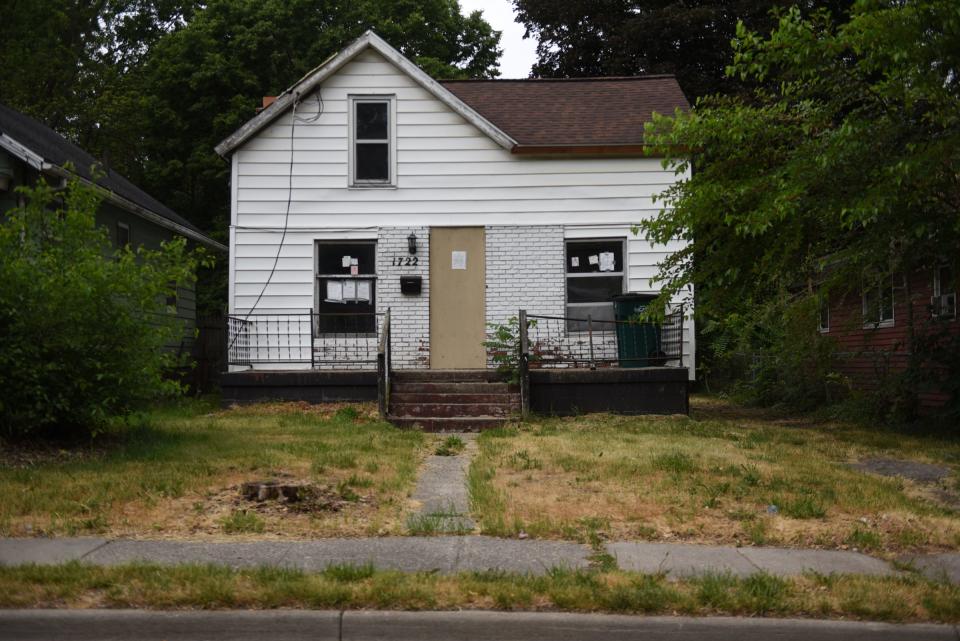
column 445, row 554
column 441, row 493
column 687, row 560
column 452, row 554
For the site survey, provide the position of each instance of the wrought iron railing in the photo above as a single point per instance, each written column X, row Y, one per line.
column 558, row 341
column 326, row 341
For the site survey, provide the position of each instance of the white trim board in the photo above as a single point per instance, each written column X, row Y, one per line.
column 312, row 80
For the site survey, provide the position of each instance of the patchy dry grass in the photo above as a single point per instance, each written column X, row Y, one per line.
column 720, row 476
column 198, row 586
column 174, row 473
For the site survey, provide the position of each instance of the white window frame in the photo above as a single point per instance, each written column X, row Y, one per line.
column 939, row 294
column 125, row 227
column 319, row 294
column 391, row 141
column 624, row 258
column 823, row 305
column 879, row 284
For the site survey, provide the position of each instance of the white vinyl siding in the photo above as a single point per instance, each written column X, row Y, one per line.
column 448, row 173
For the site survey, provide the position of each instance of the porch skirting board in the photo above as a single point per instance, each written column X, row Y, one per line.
column 648, row 390
column 312, row 386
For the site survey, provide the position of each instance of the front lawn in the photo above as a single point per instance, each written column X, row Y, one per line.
column 723, row 475
column 176, row 471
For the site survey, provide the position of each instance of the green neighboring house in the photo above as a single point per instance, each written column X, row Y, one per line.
column 29, row 151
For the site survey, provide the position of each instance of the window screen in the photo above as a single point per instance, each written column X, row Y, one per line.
column 594, row 276
column 878, row 302
column 371, row 141
column 346, row 287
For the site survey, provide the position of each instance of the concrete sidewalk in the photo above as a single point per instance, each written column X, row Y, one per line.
column 451, row 554
column 100, row 625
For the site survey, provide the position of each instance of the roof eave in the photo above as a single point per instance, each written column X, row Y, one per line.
column 369, row 39
column 40, row 164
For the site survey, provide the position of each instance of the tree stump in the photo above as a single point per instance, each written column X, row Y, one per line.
column 273, row 490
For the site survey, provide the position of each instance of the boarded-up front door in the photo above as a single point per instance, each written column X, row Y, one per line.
column 457, row 293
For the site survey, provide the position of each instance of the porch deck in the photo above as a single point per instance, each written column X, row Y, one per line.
column 564, row 366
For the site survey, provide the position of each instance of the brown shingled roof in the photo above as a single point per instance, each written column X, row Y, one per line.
column 572, row 112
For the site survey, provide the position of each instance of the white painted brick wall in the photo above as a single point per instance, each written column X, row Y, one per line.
column 409, row 314
column 524, row 270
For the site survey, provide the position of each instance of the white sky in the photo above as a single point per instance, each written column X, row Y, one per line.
column 519, row 54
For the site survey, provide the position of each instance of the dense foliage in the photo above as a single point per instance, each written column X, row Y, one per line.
column 84, row 326
column 629, row 37
column 154, row 85
column 843, row 161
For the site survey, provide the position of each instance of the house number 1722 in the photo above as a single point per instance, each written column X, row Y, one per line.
column 405, row 261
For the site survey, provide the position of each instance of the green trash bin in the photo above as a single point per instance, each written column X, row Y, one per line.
column 638, row 344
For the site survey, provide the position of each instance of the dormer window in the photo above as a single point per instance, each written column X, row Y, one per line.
column 372, row 146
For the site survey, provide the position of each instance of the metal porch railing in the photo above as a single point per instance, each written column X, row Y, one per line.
column 324, row 341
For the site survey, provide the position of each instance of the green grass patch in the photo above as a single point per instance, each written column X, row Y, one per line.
column 895, row 599
column 242, row 522
column 713, row 477
column 134, row 480
column 450, row 446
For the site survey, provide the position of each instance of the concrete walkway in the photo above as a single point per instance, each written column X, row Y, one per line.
column 332, row 625
column 441, row 492
column 451, row 554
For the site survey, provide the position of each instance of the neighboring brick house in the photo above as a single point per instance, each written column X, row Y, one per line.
column 387, row 162
column 872, row 328
column 30, row 151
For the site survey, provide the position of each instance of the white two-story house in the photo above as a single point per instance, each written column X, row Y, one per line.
column 369, row 186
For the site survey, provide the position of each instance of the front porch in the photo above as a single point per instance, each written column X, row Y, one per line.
column 563, row 366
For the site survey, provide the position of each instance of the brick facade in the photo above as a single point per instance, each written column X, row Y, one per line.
column 524, row 269
column 409, row 314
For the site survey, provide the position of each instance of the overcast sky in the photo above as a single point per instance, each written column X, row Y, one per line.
column 519, row 54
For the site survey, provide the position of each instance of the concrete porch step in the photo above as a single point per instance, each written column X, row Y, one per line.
column 446, row 410
column 447, row 376
column 405, row 387
column 402, row 398
column 449, row 424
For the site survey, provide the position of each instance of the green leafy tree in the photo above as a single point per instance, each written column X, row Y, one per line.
column 844, row 161
column 621, row 37
column 200, row 83
column 84, row 327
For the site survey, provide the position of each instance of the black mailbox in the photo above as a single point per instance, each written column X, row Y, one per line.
column 411, row 284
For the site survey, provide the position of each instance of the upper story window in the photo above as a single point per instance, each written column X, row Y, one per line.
column 878, row 302
column 372, row 146
column 944, row 302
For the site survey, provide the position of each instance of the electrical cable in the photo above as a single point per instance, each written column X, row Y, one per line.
column 286, row 216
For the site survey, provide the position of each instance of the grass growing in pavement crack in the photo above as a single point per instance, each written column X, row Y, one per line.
column 447, row 522
column 450, row 446
column 903, row 598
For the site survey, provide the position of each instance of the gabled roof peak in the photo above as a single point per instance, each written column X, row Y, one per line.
column 331, row 65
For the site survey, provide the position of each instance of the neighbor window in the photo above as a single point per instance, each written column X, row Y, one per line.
column 878, row 302
column 172, row 296
column 944, row 301
column 595, row 274
column 123, row 235
column 371, row 147
column 346, row 287
column 823, row 324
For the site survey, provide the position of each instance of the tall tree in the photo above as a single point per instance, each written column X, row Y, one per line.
column 845, row 160
column 690, row 39
column 58, row 58
column 201, row 82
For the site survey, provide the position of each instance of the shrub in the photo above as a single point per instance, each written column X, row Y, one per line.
column 84, row 326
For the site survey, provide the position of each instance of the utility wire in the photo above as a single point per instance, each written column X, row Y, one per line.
column 286, row 216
